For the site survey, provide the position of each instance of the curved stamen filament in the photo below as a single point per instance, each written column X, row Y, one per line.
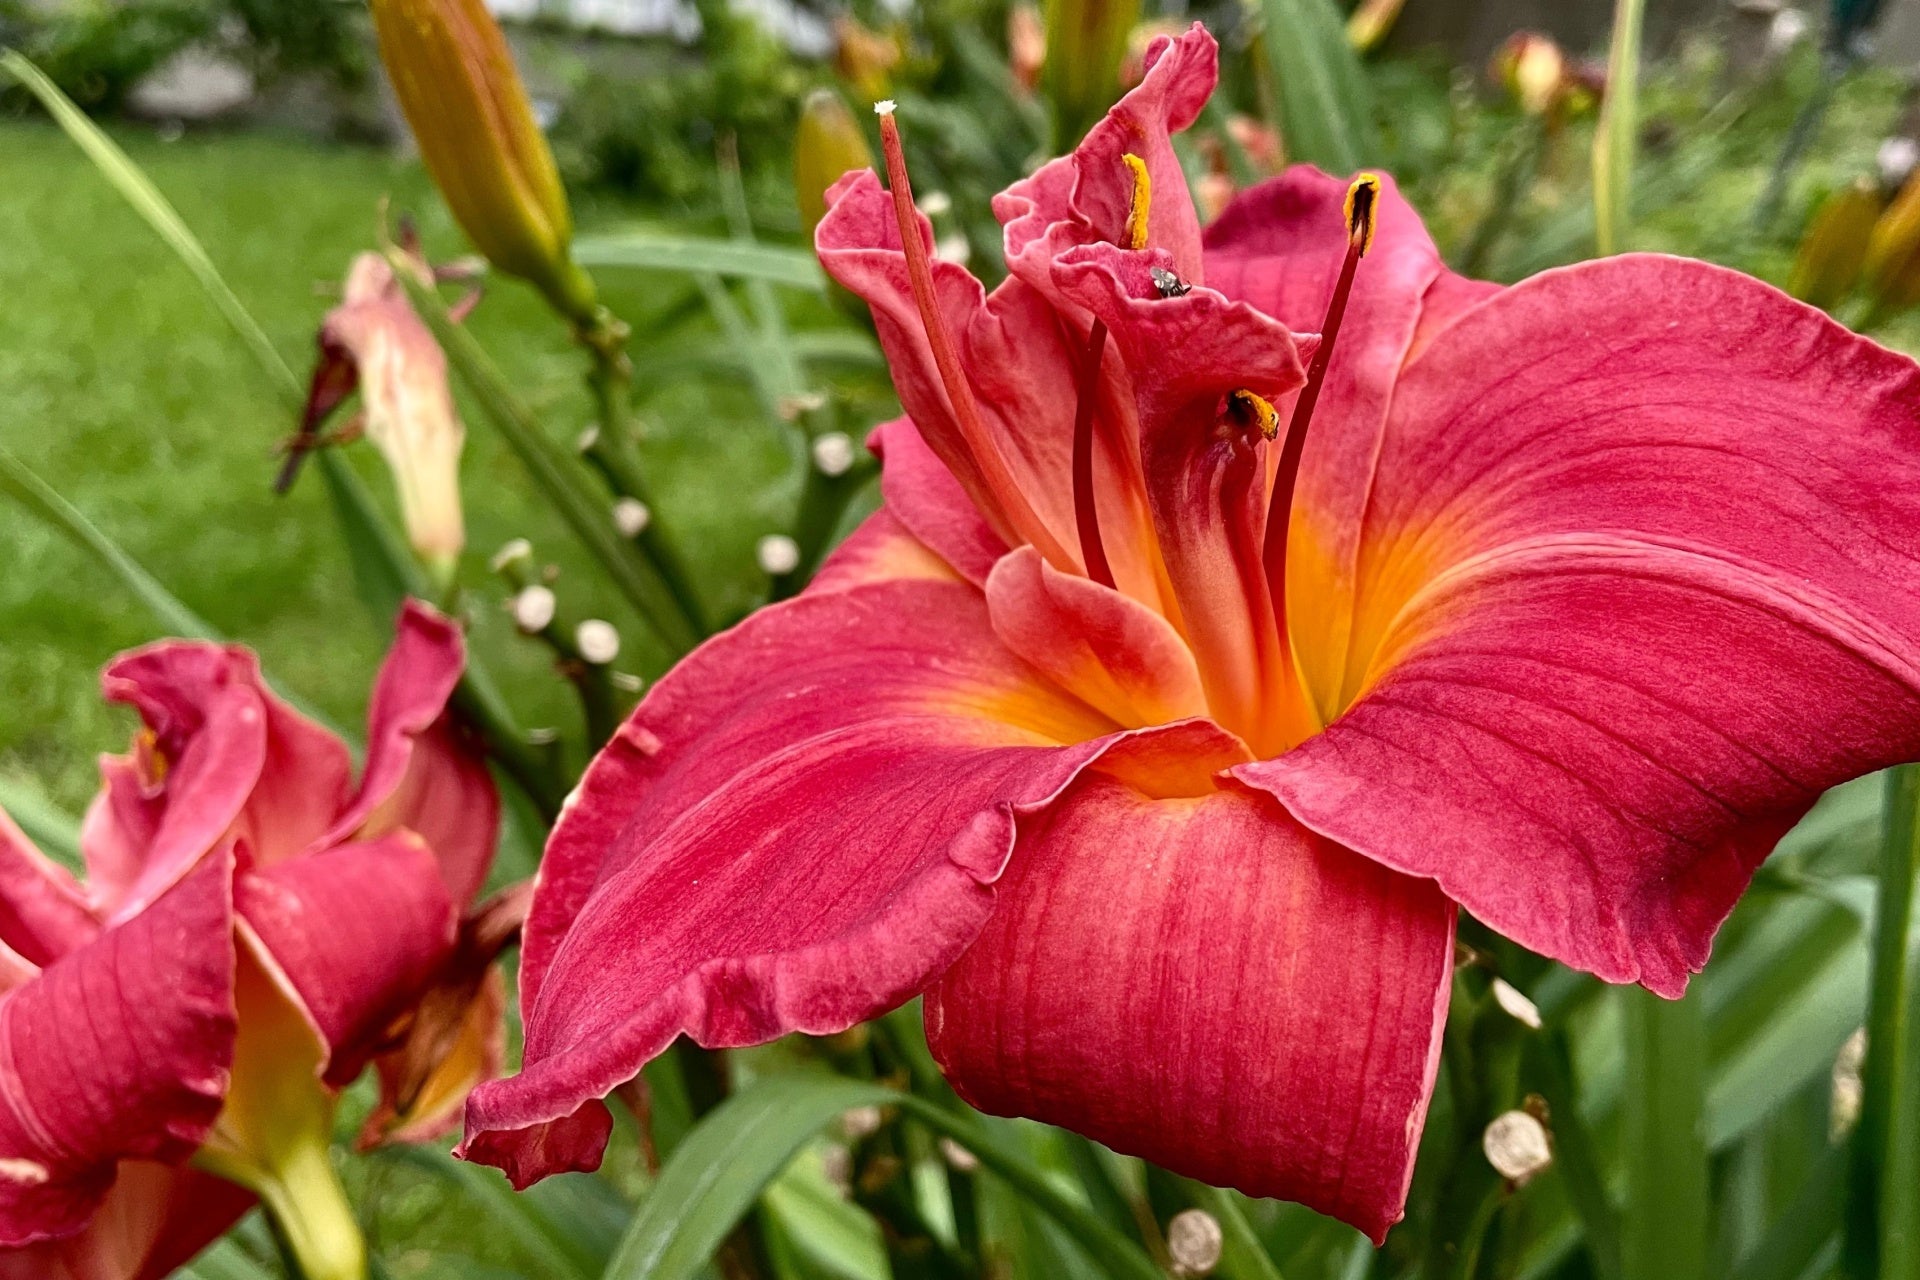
column 994, row 472
column 1362, row 202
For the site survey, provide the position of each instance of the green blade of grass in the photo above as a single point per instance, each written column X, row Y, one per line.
column 1667, row 1230
column 1882, row 1240
column 720, row 1170
column 57, row 834
column 1318, row 83
column 1616, row 140
column 647, row 250
column 1241, row 1255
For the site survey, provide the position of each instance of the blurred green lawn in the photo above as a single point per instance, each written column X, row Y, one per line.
column 124, row 390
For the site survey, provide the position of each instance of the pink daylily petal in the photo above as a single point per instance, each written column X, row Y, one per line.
column 170, row 801
column 417, row 775
column 43, row 912
column 359, row 929
column 699, row 848
column 117, row 1051
column 880, row 550
column 1207, row 984
column 156, row 1218
column 1624, row 607
column 1279, row 247
column 925, row 498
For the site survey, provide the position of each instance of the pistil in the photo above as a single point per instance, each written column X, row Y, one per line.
column 997, row 476
column 1086, row 517
column 1361, row 208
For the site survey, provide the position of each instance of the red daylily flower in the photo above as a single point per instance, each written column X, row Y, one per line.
column 254, row 928
column 1157, row 747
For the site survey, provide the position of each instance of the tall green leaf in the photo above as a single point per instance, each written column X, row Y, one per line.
column 1326, row 114
column 56, row 833
column 1667, row 1230
column 719, row 1171
column 1617, row 138
column 645, row 249
column 1883, row 1191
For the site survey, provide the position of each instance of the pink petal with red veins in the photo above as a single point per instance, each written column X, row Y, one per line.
column 880, row 550
column 1091, row 191
column 43, row 912
column 798, row 828
column 1114, row 653
column 1204, row 983
column 1636, row 587
column 1279, row 247
column 419, row 775
column 1206, row 477
column 156, row 1218
column 163, row 807
column 119, row 1050
column 304, row 782
column 359, row 929
column 924, row 497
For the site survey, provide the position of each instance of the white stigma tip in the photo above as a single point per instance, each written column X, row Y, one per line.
column 833, row 453
column 884, row 107
column 533, row 609
column 631, row 517
column 597, row 641
column 778, row 554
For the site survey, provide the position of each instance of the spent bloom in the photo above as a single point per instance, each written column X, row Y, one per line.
column 255, row 928
column 1242, row 605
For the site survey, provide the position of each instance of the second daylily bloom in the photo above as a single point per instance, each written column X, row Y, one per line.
column 253, row 930
column 1241, row 604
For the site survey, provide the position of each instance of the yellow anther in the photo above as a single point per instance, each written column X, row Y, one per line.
column 1363, row 202
column 1142, row 199
column 1245, row 404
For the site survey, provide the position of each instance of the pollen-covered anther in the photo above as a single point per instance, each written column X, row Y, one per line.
column 1140, row 204
column 1247, row 409
column 1362, row 205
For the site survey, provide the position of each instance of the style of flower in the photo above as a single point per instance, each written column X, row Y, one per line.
column 253, row 930
column 1243, row 603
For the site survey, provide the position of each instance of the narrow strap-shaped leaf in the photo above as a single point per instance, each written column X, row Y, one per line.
column 1550, row 1066
column 147, row 201
column 1616, row 140
column 57, row 834
column 1241, row 1254
column 487, row 1193
column 1883, row 1185
column 38, row 497
column 1667, row 1228
column 720, row 1169
column 1318, row 82
column 649, row 250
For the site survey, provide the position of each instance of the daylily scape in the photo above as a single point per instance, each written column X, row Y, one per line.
column 1203, row 661
column 254, row 930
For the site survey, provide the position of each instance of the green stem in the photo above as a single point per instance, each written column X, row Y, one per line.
column 823, row 504
column 1617, row 138
column 308, row 1206
column 1882, row 1237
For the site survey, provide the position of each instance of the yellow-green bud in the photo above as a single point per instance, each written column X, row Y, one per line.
column 1834, row 248
column 456, row 81
column 1891, row 267
column 827, row 144
column 1086, row 40
column 1370, row 21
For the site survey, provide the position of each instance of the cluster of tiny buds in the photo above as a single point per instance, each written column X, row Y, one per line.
column 778, row 555
column 833, row 454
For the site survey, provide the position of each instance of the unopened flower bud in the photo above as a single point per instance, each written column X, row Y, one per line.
column 1370, row 21
column 1086, row 41
column 833, row 453
column 1895, row 160
column 517, row 551
column 631, row 517
column 1834, row 248
column 958, row 1158
column 827, row 144
column 533, row 609
column 1515, row 1004
column 1517, row 1146
column 860, row 1122
column 1194, row 1242
column 456, row 82
column 1849, row 1088
column 1533, row 70
column 1891, row 266
column 778, row 554
column 597, row 641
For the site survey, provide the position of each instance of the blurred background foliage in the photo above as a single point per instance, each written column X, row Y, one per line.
column 126, row 391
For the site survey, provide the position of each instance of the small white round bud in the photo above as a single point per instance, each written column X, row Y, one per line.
column 1194, row 1241
column 631, row 517
column 588, row 438
column 1517, row 1006
column 597, row 641
column 958, row 1157
column 1849, row 1087
column 833, row 453
column 1517, row 1146
column 1896, row 158
column 517, row 551
column 955, row 248
column 778, row 554
column 858, row 1122
column 533, row 609
column 935, row 203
